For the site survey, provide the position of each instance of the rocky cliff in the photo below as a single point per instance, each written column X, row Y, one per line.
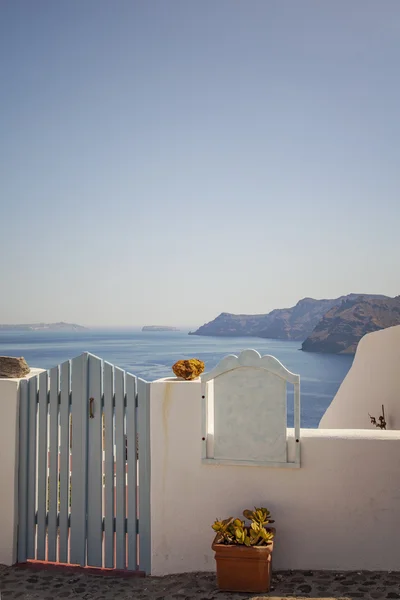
column 295, row 323
column 342, row 327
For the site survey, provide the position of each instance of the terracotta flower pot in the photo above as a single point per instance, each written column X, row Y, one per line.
column 244, row 569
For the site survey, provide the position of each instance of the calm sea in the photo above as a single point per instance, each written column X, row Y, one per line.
column 151, row 355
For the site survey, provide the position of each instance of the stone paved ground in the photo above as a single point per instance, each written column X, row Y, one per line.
column 27, row 584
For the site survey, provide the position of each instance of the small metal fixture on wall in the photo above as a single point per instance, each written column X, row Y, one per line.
column 381, row 421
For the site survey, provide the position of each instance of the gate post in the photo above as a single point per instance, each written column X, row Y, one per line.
column 9, row 442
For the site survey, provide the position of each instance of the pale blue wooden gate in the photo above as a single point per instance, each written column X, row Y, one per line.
column 82, row 478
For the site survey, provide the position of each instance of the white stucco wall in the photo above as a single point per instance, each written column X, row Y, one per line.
column 340, row 510
column 9, row 431
column 373, row 380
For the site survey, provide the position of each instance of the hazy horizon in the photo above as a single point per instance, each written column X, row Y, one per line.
column 183, row 326
column 163, row 162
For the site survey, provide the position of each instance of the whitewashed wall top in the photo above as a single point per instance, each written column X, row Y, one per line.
column 251, row 358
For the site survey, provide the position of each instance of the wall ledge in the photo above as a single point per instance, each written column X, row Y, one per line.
column 351, row 434
column 33, row 372
column 176, row 380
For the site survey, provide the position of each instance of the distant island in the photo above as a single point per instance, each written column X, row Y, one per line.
column 305, row 321
column 44, row 327
column 159, row 328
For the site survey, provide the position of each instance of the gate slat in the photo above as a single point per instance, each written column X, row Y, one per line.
column 42, row 466
column 95, row 485
column 53, row 468
column 144, row 475
column 109, row 466
column 120, row 470
column 132, row 470
column 79, row 460
column 23, row 470
column 31, row 520
column 64, row 460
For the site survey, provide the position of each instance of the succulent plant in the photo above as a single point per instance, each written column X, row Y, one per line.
column 235, row 531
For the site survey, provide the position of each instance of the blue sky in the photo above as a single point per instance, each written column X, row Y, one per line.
column 162, row 161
